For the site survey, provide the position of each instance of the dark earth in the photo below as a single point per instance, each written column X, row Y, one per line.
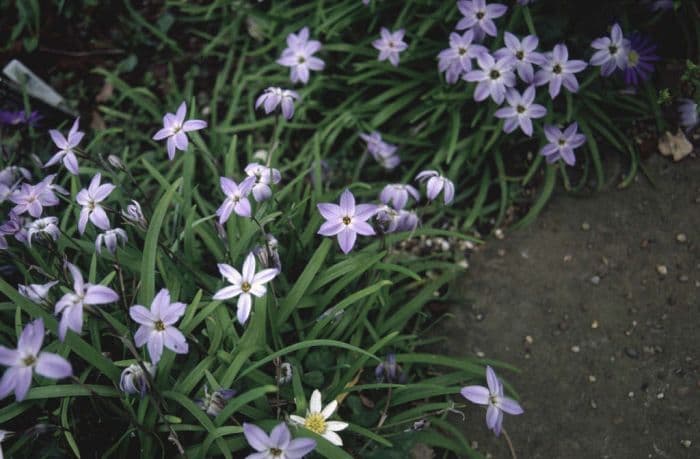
column 597, row 303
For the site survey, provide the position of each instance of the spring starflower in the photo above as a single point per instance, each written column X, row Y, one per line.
column 33, row 198
column 299, row 56
column 346, row 220
column 157, row 326
column 278, row 445
column 174, row 129
column 397, row 194
column 390, row 44
column 245, row 285
column 456, row 60
column 71, row 304
column 611, row 51
column 27, row 359
column 274, row 97
column 316, row 419
column 522, row 53
column 236, row 198
column 264, row 177
column 437, row 183
column 66, row 147
column 38, row 293
column 492, row 397
column 493, row 78
column 562, row 144
column 521, row 111
column 90, row 198
column 46, row 227
column 110, row 239
column 558, row 70
column 478, row 16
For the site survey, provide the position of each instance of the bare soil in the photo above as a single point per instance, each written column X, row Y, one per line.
column 597, row 302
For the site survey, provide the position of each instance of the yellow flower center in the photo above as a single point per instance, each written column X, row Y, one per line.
column 495, row 74
column 480, row 15
column 29, row 360
column 159, row 326
column 520, row 109
column 245, row 287
column 520, row 55
column 346, row 220
column 276, row 452
column 315, row 423
column 633, row 58
column 556, row 69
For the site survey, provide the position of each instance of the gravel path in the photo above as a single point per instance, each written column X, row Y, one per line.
column 598, row 303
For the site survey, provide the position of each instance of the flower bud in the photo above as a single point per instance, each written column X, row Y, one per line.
column 134, row 216
column 213, row 403
column 133, row 380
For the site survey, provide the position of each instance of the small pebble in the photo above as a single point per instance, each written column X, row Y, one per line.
column 681, row 237
column 585, row 226
column 567, row 258
column 501, row 252
column 498, row 233
column 683, row 278
column 686, row 443
column 630, row 394
column 575, row 349
column 464, row 264
column 662, row 269
column 595, row 280
column 594, row 324
column 591, row 378
column 631, row 353
column 594, row 405
column 480, row 354
column 529, row 339
column 660, row 396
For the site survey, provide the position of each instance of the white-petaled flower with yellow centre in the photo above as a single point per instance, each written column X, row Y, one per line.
column 316, row 419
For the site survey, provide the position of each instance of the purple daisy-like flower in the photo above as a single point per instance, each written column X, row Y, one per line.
column 558, row 70
column 157, row 326
column 478, row 16
column 71, row 304
column 562, row 144
column 493, row 78
column 174, row 129
column 390, row 44
column 521, row 111
column 19, row 117
column 492, row 397
column 90, row 198
column 611, row 51
column 67, row 147
column 640, row 59
column 456, row 60
column 299, row 56
column 346, row 220
column 27, row 359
